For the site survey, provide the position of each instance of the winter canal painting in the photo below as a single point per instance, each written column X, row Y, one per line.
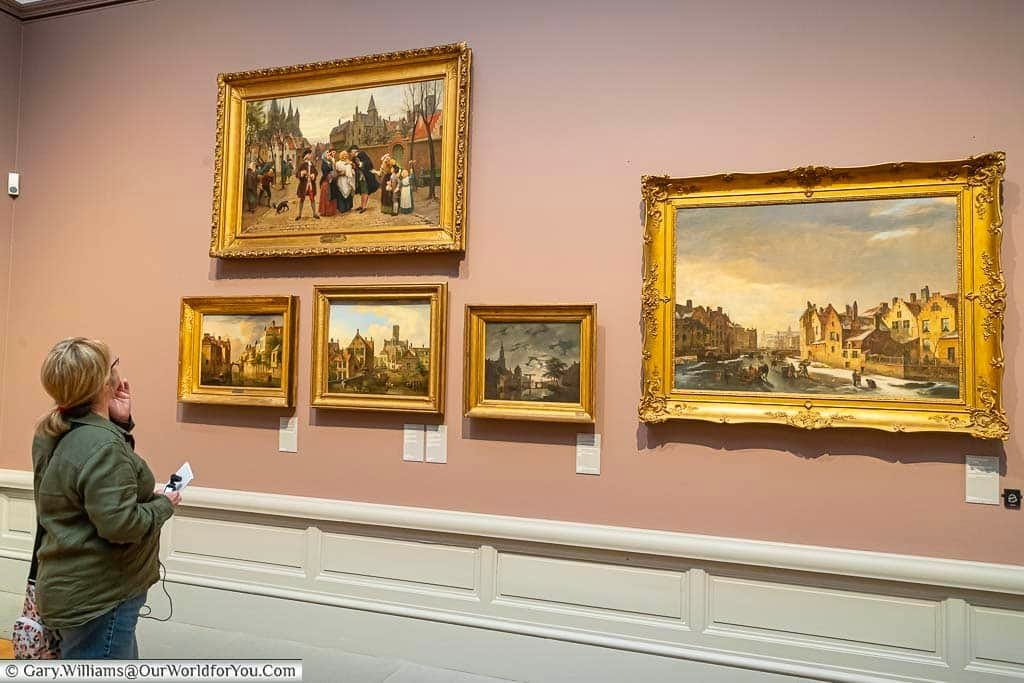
column 836, row 298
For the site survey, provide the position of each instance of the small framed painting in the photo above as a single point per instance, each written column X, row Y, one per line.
column 380, row 347
column 238, row 350
column 530, row 362
column 822, row 297
column 363, row 155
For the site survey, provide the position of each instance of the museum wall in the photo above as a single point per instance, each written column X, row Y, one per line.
column 10, row 79
column 572, row 103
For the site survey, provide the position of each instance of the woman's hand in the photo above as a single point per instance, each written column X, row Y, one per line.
column 173, row 496
column 121, row 403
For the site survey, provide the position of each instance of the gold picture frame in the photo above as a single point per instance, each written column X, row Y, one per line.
column 680, row 346
column 275, row 136
column 238, row 350
column 362, row 341
column 556, row 344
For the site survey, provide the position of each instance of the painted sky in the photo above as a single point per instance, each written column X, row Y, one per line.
column 375, row 322
column 320, row 113
column 762, row 264
column 531, row 344
column 240, row 329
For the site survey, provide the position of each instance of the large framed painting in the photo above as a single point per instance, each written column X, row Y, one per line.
column 530, row 362
column 238, row 350
column 380, row 347
column 366, row 155
column 827, row 297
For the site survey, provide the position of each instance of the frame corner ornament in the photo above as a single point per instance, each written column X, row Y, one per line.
column 987, row 422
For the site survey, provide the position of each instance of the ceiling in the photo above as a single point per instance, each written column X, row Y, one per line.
column 38, row 9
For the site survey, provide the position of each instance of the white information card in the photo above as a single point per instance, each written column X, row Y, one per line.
column 412, row 443
column 982, row 485
column 437, row 443
column 588, row 454
column 288, row 435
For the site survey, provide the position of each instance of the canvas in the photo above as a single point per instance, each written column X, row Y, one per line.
column 530, row 362
column 355, row 156
column 379, row 347
column 238, row 350
column 354, row 160
column 241, row 351
column 853, row 298
column 827, row 297
column 533, row 362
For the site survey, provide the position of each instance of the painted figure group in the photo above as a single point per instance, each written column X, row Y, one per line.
column 259, row 179
column 344, row 176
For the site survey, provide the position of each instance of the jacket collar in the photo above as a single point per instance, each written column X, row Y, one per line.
column 97, row 421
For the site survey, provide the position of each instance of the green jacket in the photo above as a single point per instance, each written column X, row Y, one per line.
column 94, row 498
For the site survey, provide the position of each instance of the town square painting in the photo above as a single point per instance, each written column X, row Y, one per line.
column 353, row 160
column 852, row 298
column 237, row 350
column 379, row 347
column 533, row 362
column 359, row 155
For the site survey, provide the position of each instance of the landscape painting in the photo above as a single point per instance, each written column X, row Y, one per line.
column 241, row 351
column 378, row 348
column 856, row 298
column 532, row 361
column 352, row 160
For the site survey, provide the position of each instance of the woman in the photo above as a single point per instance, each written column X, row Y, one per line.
column 328, row 200
column 386, row 190
column 97, row 504
column 345, row 182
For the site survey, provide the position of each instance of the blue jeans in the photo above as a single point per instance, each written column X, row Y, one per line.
column 108, row 636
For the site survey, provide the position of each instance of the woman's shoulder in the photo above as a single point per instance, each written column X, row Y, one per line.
column 86, row 439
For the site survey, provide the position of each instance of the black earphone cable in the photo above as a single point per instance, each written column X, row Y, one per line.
column 147, row 614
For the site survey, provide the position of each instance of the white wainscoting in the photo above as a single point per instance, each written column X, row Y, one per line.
column 551, row 601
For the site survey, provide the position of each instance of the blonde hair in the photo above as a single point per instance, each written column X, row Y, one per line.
column 74, row 374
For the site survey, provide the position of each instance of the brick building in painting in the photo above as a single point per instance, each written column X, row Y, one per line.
column 916, row 337
column 707, row 332
column 404, row 138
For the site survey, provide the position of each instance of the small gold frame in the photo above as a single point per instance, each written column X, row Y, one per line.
column 475, row 402
column 450, row 62
column 975, row 182
column 193, row 309
column 435, row 295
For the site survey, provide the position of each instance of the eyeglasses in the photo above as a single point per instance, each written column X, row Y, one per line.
column 116, row 361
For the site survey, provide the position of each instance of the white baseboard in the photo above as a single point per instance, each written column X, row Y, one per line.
column 539, row 597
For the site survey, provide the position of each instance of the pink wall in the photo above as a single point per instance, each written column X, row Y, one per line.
column 10, row 80
column 572, row 102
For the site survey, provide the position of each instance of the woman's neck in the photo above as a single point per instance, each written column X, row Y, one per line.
column 102, row 408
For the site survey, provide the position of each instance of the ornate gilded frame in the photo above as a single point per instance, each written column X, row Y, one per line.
column 977, row 182
column 433, row 402
column 475, row 403
column 190, row 390
column 451, row 62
